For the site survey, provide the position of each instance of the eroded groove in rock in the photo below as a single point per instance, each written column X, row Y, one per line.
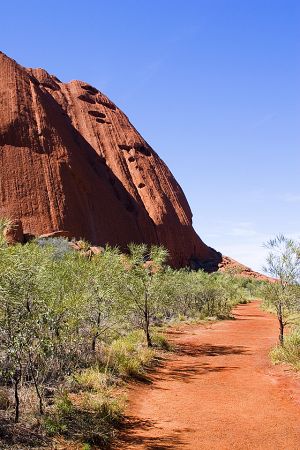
column 90, row 89
column 87, row 98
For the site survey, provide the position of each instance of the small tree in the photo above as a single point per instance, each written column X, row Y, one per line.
column 103, row 306
column 21, row 317
column 144, row 283
column 283, row 263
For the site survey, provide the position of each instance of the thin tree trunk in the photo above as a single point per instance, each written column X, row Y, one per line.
column 94, row 340
column 36, row 385
column 17, row 398
column 146, row 328
column 149, row 341
column 38, row 393
column 281, row 331
column 96, row 335
column 281, row 325
column 147, row 321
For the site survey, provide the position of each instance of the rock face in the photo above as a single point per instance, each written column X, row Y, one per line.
column 72, row 162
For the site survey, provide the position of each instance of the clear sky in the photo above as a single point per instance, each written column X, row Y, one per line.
column 212, row 85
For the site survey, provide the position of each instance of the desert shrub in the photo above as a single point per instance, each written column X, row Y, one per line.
column 92, row 379
column 199, row 295
column 143, row 287
column 283, row 263
column 289, row 352
column 59, row 245
column 160, row 341
column 56, row 421
column 78, row 323
column 90, row 416
column 128, row 356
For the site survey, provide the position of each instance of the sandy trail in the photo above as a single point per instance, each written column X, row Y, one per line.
column 218, row 392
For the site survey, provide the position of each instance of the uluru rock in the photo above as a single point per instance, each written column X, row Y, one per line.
column 71, row 161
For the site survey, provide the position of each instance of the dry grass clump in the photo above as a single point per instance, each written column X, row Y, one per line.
column 88, row 411
column 129, row 356
column 93, row 402
column 289, row 352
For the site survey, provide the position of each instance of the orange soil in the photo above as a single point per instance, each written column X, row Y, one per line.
column 218, row 392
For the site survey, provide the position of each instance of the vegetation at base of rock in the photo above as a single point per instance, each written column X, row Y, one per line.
column 73, row 328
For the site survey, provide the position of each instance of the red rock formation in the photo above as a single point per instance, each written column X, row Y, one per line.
column 233, row 267
column 71, row 161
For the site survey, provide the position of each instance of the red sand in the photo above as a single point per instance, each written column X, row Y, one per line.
column 218, row 392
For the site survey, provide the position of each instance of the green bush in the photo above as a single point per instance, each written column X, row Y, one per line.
column 93, row 379
column 160, row 341
column 89, row 415
column 72, row 325
column 128, row 356
column 289, row 352
column 56, row 421
column 53, row 425
column 86, row 447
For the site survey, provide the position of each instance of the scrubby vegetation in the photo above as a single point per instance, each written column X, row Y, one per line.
column 283, row 297
column 289, row 352
column 72, row 328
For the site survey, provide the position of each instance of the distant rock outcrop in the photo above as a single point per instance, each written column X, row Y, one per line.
column 72, row 164
column 233, row 267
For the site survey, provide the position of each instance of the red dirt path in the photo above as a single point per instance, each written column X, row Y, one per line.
column 218, row 392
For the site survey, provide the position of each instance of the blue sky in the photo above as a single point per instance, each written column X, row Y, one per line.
column 212, row 85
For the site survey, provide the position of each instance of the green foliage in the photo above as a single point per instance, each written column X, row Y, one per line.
column 64, row 405
column 283, row 260
column 92, row 379
column 143, row 285
column 128, row 356
column 54, row 425
column 283, row 263
column 86, row 447
column 77, row 323
column 289, row 352
column 56, row 422
column 160, row 341
column 90, row 414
